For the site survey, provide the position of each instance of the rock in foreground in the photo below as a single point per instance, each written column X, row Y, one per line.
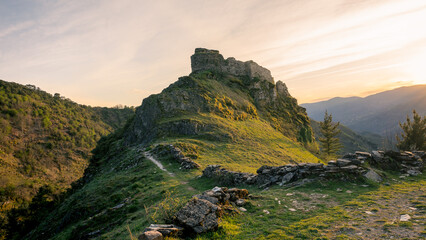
column 199, row 215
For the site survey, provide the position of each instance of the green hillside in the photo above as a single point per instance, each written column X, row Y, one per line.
column 46, row 140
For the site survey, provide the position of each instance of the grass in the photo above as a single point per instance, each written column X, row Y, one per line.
column 246, row 145
column 338, row 216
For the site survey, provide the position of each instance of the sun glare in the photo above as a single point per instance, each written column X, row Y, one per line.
column 415, row 67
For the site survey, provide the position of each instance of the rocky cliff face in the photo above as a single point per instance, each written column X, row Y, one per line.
column 228, row 88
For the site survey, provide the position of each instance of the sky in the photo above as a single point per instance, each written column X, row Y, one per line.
column 104, row 53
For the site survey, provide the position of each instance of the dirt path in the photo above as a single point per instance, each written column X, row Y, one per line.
column 156, row 162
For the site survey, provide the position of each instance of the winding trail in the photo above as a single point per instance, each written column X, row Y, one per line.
column 156, row 162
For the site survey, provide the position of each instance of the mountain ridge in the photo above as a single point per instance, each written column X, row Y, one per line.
column 378, row 113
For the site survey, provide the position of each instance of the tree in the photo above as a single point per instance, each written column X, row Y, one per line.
column 413, row 136
column 329, row 143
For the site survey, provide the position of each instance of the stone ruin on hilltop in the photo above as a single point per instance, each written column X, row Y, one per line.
column 205, row 59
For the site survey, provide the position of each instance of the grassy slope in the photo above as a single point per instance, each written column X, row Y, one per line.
column 249, row 145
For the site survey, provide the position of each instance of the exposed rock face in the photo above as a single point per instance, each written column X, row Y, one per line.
column 205, row 59
column 199, row 215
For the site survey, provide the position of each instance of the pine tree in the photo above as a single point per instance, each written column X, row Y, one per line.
column 330, row 145
column 413, row 136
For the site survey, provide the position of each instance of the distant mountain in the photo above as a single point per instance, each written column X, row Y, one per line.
column 350, row 140
column 378, row 113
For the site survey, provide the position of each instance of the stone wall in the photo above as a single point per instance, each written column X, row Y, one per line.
column 205, row 59
column 349, row 165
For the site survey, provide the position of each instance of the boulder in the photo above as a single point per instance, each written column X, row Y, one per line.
column 199, row 215
column 151, row 235
column 372, row 175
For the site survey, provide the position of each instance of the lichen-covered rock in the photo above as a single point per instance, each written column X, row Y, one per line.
column 199, row 215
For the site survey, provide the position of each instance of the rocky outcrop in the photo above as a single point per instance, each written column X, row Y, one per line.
column 201, row 214
column 212, row 60
column 349, row 165
column 203, row 211
column 176, row 154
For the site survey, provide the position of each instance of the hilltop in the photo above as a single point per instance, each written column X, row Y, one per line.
column 46, row 140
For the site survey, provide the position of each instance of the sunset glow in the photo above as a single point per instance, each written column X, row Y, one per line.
column 119, row 52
